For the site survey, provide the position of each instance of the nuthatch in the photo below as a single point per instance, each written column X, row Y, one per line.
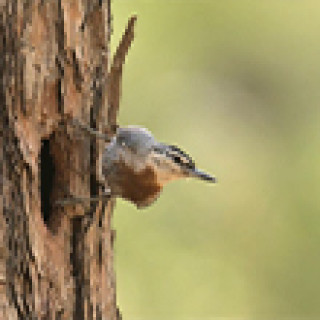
column 137, row 167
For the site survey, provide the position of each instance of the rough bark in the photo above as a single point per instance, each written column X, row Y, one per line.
column 55, row 262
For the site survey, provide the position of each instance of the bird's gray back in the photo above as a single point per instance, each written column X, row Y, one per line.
column 138, row 140
column 130, row 145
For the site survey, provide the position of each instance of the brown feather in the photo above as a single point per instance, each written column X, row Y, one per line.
column 139, row 187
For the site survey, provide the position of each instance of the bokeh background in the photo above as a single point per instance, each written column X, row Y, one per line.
column 236, row 84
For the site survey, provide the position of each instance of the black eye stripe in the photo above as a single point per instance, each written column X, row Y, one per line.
column 176, row 154
column 180, row 157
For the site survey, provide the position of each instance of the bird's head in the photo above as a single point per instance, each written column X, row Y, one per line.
column 172, row 163
column 168, row 161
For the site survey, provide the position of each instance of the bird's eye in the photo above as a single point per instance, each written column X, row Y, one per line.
column 177, row 159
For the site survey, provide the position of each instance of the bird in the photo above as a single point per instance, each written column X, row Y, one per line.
column 137, row 167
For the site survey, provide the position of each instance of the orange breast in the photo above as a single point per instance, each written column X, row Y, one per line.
column 139, row 187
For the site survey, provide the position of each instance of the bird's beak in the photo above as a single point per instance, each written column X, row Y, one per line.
column 196, row 173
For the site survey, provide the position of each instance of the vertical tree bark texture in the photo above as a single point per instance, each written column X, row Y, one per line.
column 55, row 262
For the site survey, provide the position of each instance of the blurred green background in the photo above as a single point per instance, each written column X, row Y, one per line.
column 237, row 85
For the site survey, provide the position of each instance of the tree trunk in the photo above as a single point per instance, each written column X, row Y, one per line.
column 56, row 262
